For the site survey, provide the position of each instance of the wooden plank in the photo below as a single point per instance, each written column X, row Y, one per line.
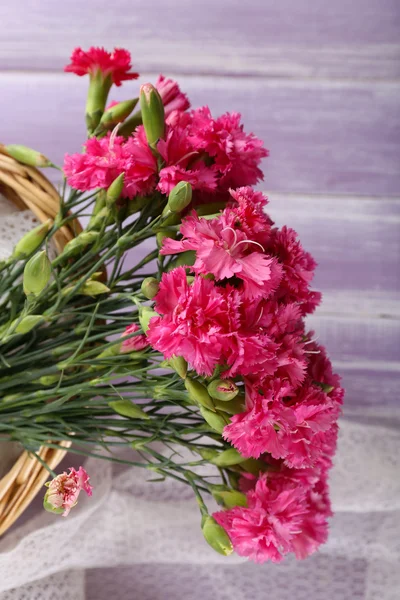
column 259, row 37
column 356, row 243
column 325, row 137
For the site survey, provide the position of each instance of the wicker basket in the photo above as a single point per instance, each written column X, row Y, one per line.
column 28, row 188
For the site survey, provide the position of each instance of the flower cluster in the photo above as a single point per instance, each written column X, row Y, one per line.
column 210, row 154
column 242, row 312
column 230, row 297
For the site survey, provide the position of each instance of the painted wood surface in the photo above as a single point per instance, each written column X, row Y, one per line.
column 321, row 38
column 324, row 137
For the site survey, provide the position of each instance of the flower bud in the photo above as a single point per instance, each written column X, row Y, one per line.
column 150, row 287
column 229, row 498
column 179, row 198
column 103, row 217
column 152, row 113
column 145, row 315
column 32, row 240
column 94, row 288
column 28, row 156
column 115, row 190
column 216, row 421
column 116, row 114
column 37, row 273
column 126, row 408
column 162, row 234
column 227, row 458
column 179, row 364
column 80, row 242
column 198, row 393
column 233, row 407
column 216, row 536
column 184, row 259
column 28, row 323
column 223, row 389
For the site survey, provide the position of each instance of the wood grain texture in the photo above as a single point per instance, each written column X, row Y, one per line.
column 327, row 137
column 343, row 39
column 356, row 243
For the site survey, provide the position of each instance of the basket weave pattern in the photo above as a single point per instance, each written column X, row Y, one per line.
column 29, row 189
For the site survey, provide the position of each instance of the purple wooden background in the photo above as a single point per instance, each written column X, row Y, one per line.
column 318, row 81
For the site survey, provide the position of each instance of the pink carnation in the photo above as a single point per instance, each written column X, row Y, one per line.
column 192, row 321
column 106, row 158
column 285, row 514
column 63, row 491
column 236, row 155
column 224, row 250
column 138, row 342
column 171, row 95
column 298, row 269
column 115, row 64
column 206, row 324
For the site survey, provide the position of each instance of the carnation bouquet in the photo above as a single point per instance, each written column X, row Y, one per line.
column 173, row 325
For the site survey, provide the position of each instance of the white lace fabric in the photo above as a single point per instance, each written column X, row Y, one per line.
column 135, row 540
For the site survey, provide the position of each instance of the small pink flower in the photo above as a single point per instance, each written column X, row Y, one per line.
column 287, row 513
column 224, row 250
column 63, row 491
column 97, row 60
column 106, row 158
column 298, row 269
column 138, row 342
column 171, row 95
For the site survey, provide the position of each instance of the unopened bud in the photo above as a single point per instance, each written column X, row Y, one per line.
column 28, row 323
column 184, row 259
column 37, row 273
column 32, row 240
column 179, row 198
column 115, row 190
column 150, row 287
column 233, row 407
column 215, row 420
column 229, row 498
column 94, row 288
column 227, row 458
column 101, row 219
column 163, row 234
column 84, row 239
column 216, row 536
column 126, row 408
column 198, row 393
column 28, row 156
column 145, row 315
column 223, row 389
column 152, row 113
column 116, row 114
column 179, row 364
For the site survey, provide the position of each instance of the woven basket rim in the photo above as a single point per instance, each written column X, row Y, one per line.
column 29, row 188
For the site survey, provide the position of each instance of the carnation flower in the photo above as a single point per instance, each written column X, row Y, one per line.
column 97, row 60
column 192, row 321
column 171, row 95
column 206, row 324
column 236, row 155
column 106, row 158
column 63, row 491
column 286, row 512
column 224, row 250
column 266, row 528
column 298, row 269
column 138, row 342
